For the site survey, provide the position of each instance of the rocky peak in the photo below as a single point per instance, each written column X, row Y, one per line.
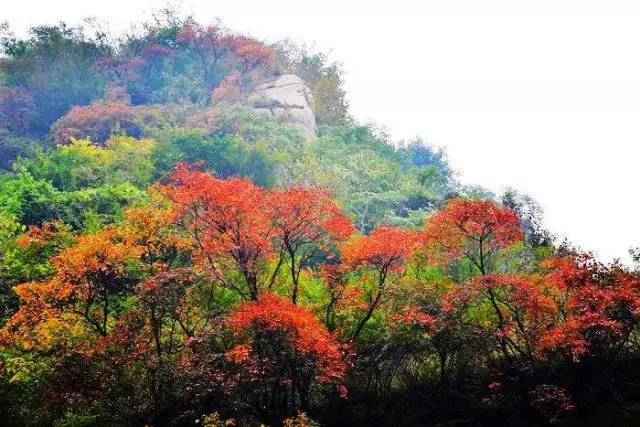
column 288, row 99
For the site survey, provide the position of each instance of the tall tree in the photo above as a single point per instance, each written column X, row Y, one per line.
column 471, row 229
column 306, row 221
column 384, row 252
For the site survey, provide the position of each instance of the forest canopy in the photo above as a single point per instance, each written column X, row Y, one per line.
column 173, row 252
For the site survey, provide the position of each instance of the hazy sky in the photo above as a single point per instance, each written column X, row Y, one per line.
column 540, row 95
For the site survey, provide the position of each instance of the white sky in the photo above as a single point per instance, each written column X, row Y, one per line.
column 540, row 95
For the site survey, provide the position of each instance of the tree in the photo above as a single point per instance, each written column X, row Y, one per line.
column 26, row 256
column 323, row 77
column 384, row 251
column 599, row 306
column 229, row 223
column 471, row 229
column 306, row 221
column 97, row 122
column 335, row 277
column 283, row 350
column 55, row 65
column 253, row 55
column 530, row 214
column 521, row 310
column 95, row 272
column 17, row 110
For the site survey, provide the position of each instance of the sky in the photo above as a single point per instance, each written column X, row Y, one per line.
column 542, row 96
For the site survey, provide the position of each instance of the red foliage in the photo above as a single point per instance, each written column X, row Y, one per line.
column 413, row 315
column 523, row 311
column 307, row 337
column 206, row 38
column 385, row 249
column 238, row 226
column 474, row 229
column 166, row 295
column 306, row 215
column 97, row 122
column 551, row 401
column 306, row 221
column 210, row 43
column 156, row 51
column 522, row 292
column 121, row 68
column 229, row 222
column 125, row 342
column 598, row 304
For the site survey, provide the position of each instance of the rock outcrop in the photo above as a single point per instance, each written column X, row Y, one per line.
column 288, row 99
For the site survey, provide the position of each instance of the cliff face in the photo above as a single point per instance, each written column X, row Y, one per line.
column 288, row 99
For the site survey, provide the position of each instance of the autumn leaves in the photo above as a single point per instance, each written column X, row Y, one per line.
column 264, row 297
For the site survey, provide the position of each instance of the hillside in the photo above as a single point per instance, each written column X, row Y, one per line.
column 194, row 230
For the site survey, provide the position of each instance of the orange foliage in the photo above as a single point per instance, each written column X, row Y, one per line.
column 253, row 55
column 103, row 254
column 595, row 302
column 306, row 221
column 88, row 275
column 474, row 229
column 229, row 222
column 159, row 241
column 228, row 90
column 385, row 249
column 308, row 337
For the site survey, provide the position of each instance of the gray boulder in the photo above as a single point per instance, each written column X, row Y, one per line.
column 288, row 99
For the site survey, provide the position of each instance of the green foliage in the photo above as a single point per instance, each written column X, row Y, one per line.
column 82, row 164
column 227, row 155
column 377, row 183
column 34, row 201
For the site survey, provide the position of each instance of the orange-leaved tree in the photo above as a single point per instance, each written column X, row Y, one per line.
column 95, row 272
column 471, row 229
column 521, row 311
column 598, row 306
column 229, row 223
column 61, row 319
column 283, row 349
column 384, row 253
column 306, row 221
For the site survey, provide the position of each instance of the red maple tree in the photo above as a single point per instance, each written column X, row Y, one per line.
column 285, row 348
column 384, row 251
column 229, row 223
column 306, row 221
column 472, row 229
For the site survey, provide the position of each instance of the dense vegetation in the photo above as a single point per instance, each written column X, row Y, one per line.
column 170, row 256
